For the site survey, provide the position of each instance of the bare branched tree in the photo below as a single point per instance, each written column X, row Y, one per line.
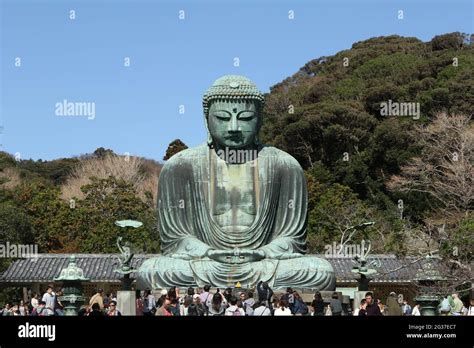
column 444, row 171
column 128, row 168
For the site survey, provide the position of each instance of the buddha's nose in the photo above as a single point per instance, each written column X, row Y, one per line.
column 233, row 125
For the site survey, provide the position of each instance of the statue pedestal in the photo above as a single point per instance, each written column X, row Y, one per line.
column 126, row 302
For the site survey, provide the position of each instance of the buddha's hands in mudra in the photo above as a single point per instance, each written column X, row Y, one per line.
column 236, row 255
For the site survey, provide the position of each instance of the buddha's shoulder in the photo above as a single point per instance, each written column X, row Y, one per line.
column 187, row 156
column 279, row 156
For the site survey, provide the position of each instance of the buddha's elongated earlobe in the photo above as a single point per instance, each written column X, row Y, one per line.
column 209, row 140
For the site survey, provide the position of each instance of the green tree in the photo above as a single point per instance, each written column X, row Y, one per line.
column 173, row 148
column 109, row 200
column 44, row 207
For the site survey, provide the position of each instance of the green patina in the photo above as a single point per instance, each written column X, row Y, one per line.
column 233, row 209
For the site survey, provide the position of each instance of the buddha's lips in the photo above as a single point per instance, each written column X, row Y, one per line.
column 236, row 137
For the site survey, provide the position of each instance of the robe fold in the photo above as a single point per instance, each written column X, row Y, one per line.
column 188, row 231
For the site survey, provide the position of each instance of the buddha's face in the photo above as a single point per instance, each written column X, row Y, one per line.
column 234, row 124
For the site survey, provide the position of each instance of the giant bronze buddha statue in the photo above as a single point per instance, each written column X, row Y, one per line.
column 233, row 209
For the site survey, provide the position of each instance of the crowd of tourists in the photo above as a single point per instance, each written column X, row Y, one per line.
column 235, row 302
column 49, row 304
column 450, row 305
column 231, row 302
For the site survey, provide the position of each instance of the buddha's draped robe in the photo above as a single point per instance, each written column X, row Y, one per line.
column 187, row 229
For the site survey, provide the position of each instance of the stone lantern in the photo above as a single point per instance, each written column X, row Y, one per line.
column 364, row 272
column 427, row 279
column 72, row 277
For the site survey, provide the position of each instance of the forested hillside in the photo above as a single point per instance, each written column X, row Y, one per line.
column 70, row 205
column 411, row 175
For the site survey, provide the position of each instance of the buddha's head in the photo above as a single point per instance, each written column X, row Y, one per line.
column 233, row 112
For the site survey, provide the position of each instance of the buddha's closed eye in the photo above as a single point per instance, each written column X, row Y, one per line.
column 222, row 115
column 246, row 115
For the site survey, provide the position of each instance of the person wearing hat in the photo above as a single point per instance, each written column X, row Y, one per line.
column 392, row 305
column 197, row 308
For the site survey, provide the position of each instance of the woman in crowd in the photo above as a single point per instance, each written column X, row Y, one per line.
column 299, row 308
column 217, row 305
column 149, row 304
column 113, row 311
column 34, row 300
column 173, row 297
column 138, row 303
column 416, row 310
column 283, row 309
column 318, row 304
column 164, row 310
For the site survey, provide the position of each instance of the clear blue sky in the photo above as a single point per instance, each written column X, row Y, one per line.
column 173, row 61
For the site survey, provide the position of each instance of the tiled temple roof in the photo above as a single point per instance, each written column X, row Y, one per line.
column 100, row 268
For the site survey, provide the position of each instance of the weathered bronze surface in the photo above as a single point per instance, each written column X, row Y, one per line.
column 233, row 210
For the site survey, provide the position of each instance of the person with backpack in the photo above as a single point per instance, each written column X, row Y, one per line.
column 234, row 309
column 205, row 295
column 265, row 293
column 196, row 309
column 189, row 296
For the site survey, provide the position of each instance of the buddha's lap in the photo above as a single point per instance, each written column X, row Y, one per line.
column 305, row 263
